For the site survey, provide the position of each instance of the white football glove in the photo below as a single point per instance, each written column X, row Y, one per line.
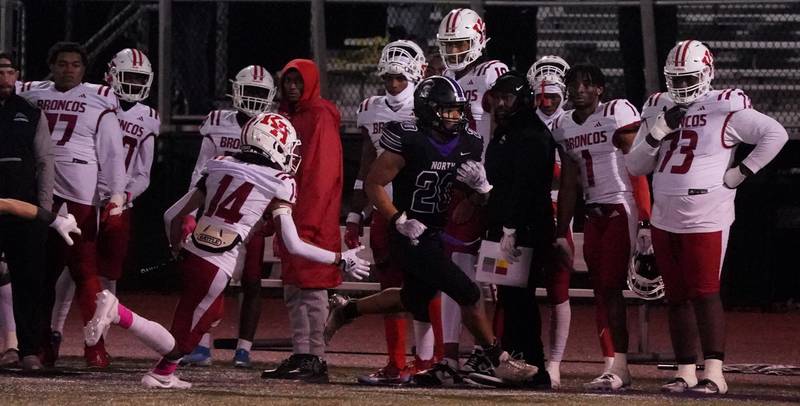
column 644, row 242
column 119, row 200
column 473, row 174
column 410, row 228
column 64, row 225
column 667, row 121
column 508, row 245
column 735, row 176
column 353, row 265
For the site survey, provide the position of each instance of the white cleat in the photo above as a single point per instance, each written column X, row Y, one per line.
column 104, row 314
column 610, row 382
column 154, row 381
column 555, row 375
column 710, row 387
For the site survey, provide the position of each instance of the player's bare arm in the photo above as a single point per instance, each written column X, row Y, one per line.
column 383, row 171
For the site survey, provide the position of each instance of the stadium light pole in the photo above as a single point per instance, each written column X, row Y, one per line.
column 165, row 63
column 318, row 42
column 649, row 47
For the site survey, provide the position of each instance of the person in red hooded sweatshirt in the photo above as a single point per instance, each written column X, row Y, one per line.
column 319, row 194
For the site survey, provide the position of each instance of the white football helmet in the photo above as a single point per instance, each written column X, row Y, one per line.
column 402, row 58
column 689, row 71
column 253, row 90
column 461, row 24
column 272, row 136
column 550, row 70
column 130, row 75
column 643, row 277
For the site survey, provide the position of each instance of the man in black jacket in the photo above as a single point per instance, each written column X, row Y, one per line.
column 519, row 164
column 26, row 174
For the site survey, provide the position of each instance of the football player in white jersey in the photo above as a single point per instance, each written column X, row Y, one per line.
column 462, row 39
column 86, row 136
column 401, row 67
column 130, row 76
column 592, row 139
column 237, row 193
column 546, row 78
column 253, row 91
column 687, row 140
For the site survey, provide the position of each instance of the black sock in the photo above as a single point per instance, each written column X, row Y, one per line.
column 493, row 352
column 351, row 310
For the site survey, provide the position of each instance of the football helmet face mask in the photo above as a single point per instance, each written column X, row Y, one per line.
column 402, row 58
column 130, row 75
column 272, row 136
column 550, row 69
column 439, row 103
column 461, row 26
column 253, row 90
column 643, row 277
column 689, row 71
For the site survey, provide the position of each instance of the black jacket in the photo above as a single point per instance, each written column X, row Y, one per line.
column 519, row 165
column 18, row 123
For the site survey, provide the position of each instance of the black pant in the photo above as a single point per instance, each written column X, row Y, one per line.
column 522, row 323
column 426, row 271
column 23, row 243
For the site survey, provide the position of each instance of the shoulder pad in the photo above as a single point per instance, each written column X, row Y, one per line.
column 215, row 118
column 287, row 190
column 102, row 93
column 622, row 111
column 491, row 70
column 473, row 133
column 731, row 100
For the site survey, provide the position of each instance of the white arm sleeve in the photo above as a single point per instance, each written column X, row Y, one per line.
column 642, row 157
column 751, row 127
column 111, row 153
column 296, row 246
column 140, row 178
column 207, row 151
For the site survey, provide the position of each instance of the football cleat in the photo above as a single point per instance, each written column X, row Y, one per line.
column 676, row 385
column 417, row 365
column 476, row 363
column 388, row 375
column 200, row 356
column 441, row 374
column 283, row 370
column 510, row 371
column 106, row 311
column 50, row 349
column 31, row 363
column 609, row 381
column 709, row 387
column 336, row 316
column 96, row 356
column 555, row 374
column 153, row 380
column 241, row 358
column 10, row 358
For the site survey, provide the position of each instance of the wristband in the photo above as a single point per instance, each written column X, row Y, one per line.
column 282, row 210
column 644, row 224
column 394, row 218
column 45, row 216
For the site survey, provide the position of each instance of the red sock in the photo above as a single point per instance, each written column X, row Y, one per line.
column 497, row 323
column 603, row 331
column 435, row 314
column 395, row 328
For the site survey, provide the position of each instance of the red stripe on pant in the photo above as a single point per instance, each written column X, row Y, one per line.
column 606, row 250
column 198, row 276
column 689, row 263
column 112, row 246
column 81, row 257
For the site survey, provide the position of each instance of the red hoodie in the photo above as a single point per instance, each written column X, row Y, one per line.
column 319, row 181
